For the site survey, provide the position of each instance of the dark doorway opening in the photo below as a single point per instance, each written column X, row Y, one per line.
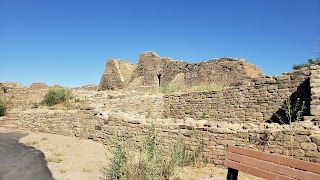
column 299, row 97
column 159, row 79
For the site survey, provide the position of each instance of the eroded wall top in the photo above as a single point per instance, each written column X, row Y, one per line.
column 155, row 71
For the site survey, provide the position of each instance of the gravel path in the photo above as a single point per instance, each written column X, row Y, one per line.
column 21, row 162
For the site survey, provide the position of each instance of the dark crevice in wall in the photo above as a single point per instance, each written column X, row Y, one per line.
column 299, row 97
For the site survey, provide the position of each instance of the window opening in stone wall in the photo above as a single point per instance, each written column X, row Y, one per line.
column 159, row 79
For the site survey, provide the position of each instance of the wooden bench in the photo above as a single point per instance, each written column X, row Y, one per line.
column 268, row 166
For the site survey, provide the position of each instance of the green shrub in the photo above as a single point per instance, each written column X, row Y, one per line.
column 2, row 109
column 119, row 162
column 56, row 96
column 310, row 62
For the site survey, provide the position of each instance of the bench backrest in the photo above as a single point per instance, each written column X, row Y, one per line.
column 270, row 166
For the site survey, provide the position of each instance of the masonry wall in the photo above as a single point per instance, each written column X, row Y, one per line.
column 15, row 95
column 249, row 101
column 212, row 138
column 155, row 71
column 315, row 91
column 74, row 123
column 149, row 105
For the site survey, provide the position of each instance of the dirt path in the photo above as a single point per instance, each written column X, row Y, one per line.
column 69, row 158
column 78, row 159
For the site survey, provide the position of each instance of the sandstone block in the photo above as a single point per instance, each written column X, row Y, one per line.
column 301, row 138
column 316, row 139
column 315, row 80
column 201, row 123
column 226, row 142
column 312, row 154
column 309, row 146
column 315, row 90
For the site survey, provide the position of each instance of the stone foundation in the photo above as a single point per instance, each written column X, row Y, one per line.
column 211, row 137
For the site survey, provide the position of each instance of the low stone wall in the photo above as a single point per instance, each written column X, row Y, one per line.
column 211, row 137
column 149, row 105
column 253, row 101
column 74, row 123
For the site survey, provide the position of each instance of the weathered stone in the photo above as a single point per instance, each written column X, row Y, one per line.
column 117, row 74
column 98, row 128
column 297, row 152
column 301, row 138
column 316, row 139
column 226, row 142
column 201, row 123
column 313, row 154
column 308, row 146
column 153, row 70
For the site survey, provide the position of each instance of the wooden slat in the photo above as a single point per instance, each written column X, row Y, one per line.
column 255, row 171
column 273, row 167
column 295, row 163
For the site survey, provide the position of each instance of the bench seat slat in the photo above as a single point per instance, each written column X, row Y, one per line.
column 254, row 171
column 272, row 167
column 295, row 163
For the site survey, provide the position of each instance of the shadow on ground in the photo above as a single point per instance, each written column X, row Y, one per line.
column 18, row 161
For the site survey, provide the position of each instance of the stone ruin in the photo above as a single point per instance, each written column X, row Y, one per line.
column 244, row 113
column 155, row 71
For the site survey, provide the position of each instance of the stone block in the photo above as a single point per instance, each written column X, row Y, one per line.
column 315, row 90
column 315, row 110
column 226, row 142
column 314, row 80
column 308, row 146
column 316, row 140
column 313, row 154
column 301, row 138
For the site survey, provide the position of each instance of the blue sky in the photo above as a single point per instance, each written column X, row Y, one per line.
column 68, row 42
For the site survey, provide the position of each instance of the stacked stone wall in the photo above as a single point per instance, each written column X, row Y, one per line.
column 149, row 105
column 256, row 100
column 117, row 74
column 74, row 123
column 211, row 138
column 15, row 95
column 315, row 91
column 155, row 71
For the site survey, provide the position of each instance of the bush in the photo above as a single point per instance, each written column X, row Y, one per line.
column 2, row 109
column 150, row 160
column 310, row 62
column 56, row 96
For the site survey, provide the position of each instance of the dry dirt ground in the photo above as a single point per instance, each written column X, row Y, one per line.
column 69, row 158
column 79, row 159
